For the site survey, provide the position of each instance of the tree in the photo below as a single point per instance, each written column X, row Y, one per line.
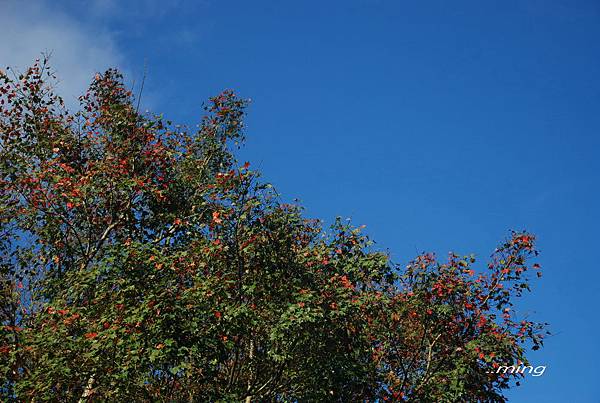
column 141, row 262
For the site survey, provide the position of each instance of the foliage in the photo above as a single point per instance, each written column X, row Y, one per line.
column 141, row 263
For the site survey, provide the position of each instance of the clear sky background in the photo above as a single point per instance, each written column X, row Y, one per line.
column 441, row 125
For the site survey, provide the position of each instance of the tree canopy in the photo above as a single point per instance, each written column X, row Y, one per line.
column 140, row 261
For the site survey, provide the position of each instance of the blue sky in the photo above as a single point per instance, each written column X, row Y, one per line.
column 440, row 125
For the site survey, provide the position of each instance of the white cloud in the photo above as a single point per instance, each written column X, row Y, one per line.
column 78, row 49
